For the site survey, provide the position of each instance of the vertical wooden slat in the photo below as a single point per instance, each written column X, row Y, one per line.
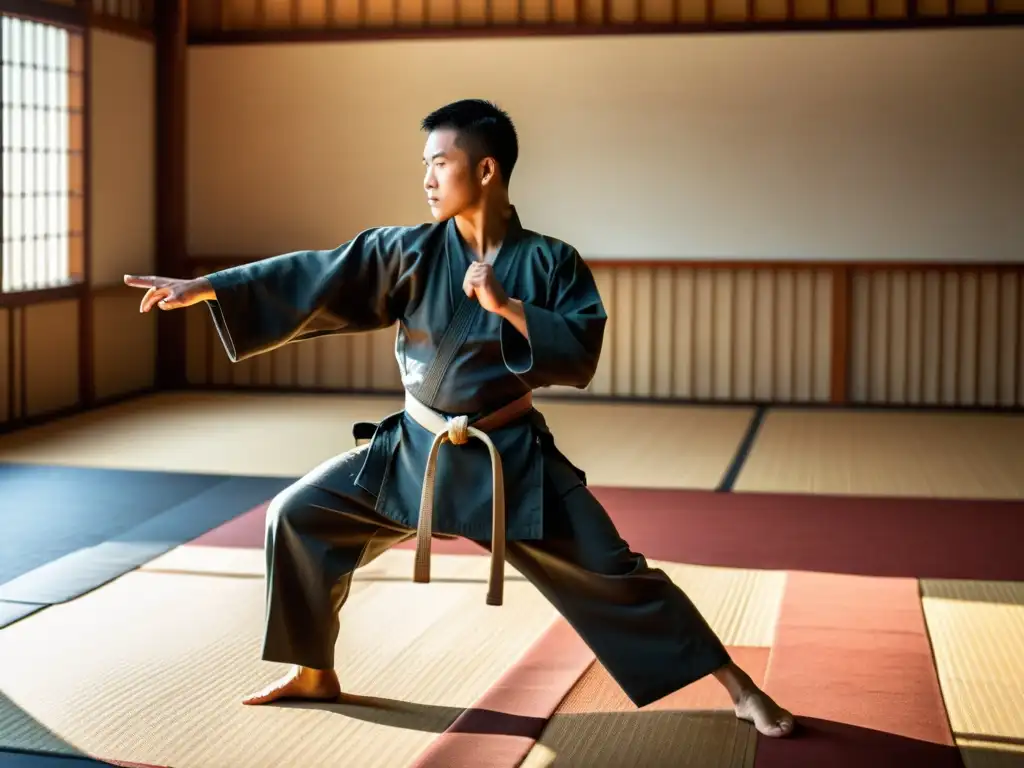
column 23, row 362
column 652, row 318
column 673, row 291
column 958, row 334
column 754, row 308
column 631, row 335
column 86, row 353
column 923, row 339
column 712, row 335
column 978, row 288
column 1018, row 345
column 940, row 356
column 888, row 286
column 12, row 365
column 733, row 333
column 999, row 338
column 693, row 335
column 794, row 340
column 812, row 361
column 773, row 358
column 906, row 331
column 171, row 27
column 841, row 307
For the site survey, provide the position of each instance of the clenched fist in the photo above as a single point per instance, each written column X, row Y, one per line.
column 169, row 292
column 481, row 282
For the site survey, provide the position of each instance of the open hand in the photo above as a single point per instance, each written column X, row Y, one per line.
column 169, row 292
column 481, row 282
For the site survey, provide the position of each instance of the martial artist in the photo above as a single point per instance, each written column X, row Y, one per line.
column 486, row 311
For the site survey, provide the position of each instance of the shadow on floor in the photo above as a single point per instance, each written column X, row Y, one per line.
column 676, row 739
column 47, row 749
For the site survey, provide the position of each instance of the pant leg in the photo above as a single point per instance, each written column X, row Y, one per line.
column 641, row 626
column 319, row 531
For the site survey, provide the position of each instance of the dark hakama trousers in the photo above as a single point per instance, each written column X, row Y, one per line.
column 644, row 630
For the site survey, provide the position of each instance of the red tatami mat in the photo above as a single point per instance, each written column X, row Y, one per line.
column 852, row 660
column 502, row 727
column 923, row 538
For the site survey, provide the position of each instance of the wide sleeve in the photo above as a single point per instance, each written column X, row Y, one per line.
column 565, row 337
column 304, row 294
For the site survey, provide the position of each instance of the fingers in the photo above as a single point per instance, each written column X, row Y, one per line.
column 155, row 297
column 137, row 281
column 477, row 274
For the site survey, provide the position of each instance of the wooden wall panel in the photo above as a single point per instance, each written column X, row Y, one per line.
column 944, row 338
column 50, row 336
column 7, row 342
column 905, row 335
column 124, row 345
column 674, row 332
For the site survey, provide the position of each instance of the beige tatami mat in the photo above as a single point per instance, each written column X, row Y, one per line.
column 657, row 739
column 890, row 453
column 151, row 668
column 287, row 435
column 741, row 605
column 977, row 633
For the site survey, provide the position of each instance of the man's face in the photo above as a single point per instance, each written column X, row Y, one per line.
column 451, row 180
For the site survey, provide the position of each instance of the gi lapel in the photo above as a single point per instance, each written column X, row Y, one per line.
column 465, row 309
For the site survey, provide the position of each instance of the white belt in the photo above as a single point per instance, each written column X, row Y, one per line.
column 457, row 430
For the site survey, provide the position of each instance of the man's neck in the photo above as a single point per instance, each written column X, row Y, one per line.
column 484, row 228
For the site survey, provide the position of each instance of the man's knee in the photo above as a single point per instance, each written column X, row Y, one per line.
column 580, row 524
column 329, row 487
column 288, row 508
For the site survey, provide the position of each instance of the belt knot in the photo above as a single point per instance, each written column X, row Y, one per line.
column 458, row 430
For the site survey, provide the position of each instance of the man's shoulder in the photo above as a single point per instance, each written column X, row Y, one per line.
column 406, row 236
column 553, row 249
column 412, row 246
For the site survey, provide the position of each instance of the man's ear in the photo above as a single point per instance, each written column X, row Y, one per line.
column 487, row 171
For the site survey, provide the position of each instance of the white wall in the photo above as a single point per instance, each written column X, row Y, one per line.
column 903, row 146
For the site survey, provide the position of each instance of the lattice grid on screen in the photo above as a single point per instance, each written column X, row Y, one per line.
column 43, row 134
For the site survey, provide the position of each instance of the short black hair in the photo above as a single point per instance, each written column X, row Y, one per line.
column 484, row 131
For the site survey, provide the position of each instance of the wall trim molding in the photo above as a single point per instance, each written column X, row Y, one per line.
column 227, row 37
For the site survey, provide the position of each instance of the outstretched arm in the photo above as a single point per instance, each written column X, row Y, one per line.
column 260, row 306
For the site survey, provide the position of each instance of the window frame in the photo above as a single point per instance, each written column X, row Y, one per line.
column 74, row 19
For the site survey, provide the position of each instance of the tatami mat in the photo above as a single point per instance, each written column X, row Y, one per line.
column 626, row 445
column 851, row 660
column 989, row 754
column 741, row 605
column 934, row 455
column 977, row 633
column 152, row 667
column 655, row 739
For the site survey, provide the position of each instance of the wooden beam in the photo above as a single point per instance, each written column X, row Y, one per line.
column 568, row 29
column 841, row 310
column 171, row 28
column 86, row 347
column 71, row 16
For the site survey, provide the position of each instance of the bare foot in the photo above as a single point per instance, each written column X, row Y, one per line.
column 755, row 706
column 300, row 683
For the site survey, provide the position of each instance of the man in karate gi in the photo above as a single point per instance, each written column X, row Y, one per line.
column 487, row 311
